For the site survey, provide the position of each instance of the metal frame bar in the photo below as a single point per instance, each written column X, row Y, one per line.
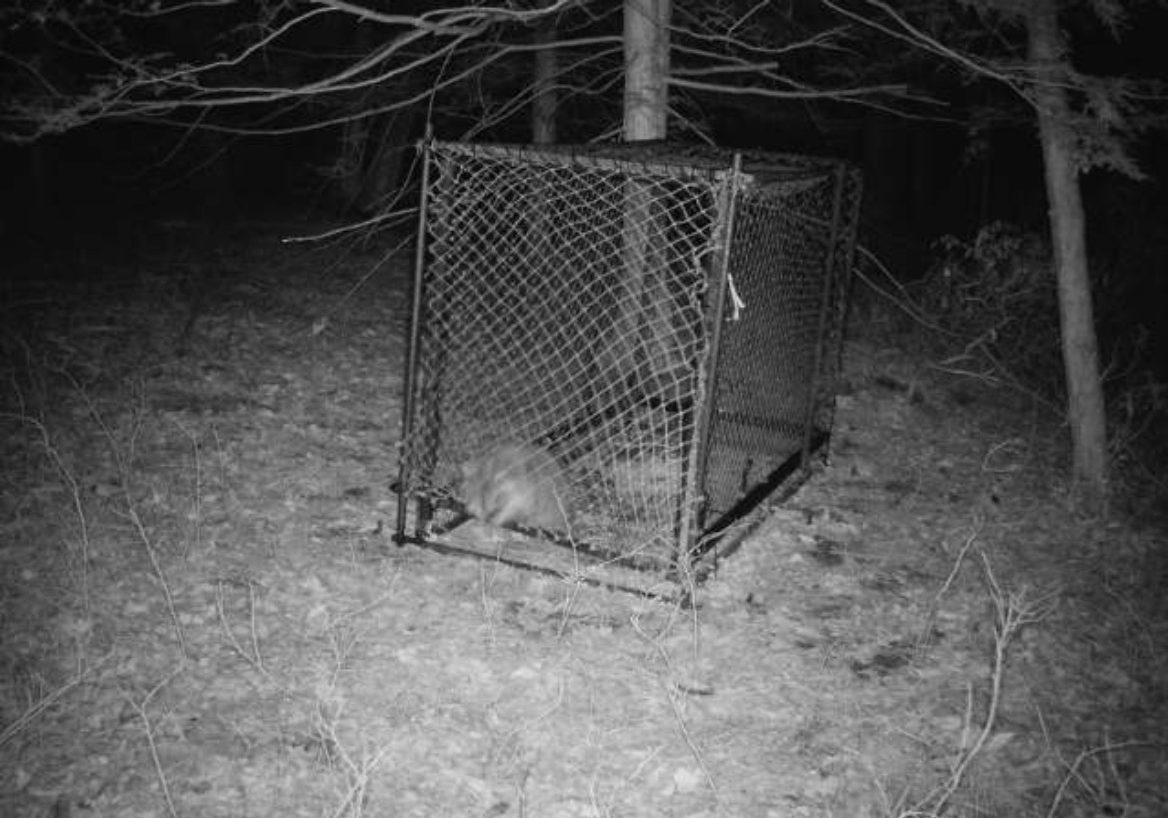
column 727, row 208
column 696, row 538
column 409, row 388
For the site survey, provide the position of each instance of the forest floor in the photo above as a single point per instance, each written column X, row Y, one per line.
column 202, row 613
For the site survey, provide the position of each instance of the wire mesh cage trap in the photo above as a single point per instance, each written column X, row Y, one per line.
column 617, row 352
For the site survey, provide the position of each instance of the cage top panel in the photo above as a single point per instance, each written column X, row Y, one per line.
column 669, row 159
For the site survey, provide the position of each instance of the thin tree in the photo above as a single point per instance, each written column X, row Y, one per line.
column 1068, row 231
column 646, row 41
column 1074, row 138
column 545, row 98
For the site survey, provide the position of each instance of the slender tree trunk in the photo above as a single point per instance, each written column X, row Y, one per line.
column 646, row 53
column 646, row 41
column 543, row 106
column 1068, row 235
column 350, row 160
column 543, row 132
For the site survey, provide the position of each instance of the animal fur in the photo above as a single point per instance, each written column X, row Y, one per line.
column 516, row 484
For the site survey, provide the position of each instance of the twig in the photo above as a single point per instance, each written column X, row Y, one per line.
column 254, row 657
column 74, row 494
column 357, row 773
column 925, row 636
column 198, row 482
column 1073, row 772
column 140, row 709
column 132, row 514
column 45, row 702
column 1013, row 611
column 901, row 300
column 673, row 692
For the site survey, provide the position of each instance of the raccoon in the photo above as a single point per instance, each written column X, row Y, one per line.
column 516, row 484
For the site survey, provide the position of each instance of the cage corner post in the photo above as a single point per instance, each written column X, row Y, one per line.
column 410, row 381
column 694, row 502
column 815, row 438
column 852, row 183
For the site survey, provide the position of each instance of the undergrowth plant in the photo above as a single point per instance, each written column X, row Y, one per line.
column 994, row 296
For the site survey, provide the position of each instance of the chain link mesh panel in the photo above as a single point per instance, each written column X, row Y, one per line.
column 790, row 257
column 615, row 346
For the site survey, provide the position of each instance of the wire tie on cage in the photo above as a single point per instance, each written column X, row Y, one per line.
column 736, row 301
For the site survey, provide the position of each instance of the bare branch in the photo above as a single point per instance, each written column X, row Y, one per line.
column 774, row 93
column 467, row 64
column 906, row 32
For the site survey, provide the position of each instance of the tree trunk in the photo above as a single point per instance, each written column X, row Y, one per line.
column 347, row 168
column 543, row 132
column 1068, row 238
column 646, row 53
column 646, row 42
column 543, row 106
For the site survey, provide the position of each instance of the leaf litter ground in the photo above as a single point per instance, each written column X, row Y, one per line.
column 203, row 614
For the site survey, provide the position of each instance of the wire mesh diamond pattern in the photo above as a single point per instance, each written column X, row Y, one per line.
column 613, row 347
